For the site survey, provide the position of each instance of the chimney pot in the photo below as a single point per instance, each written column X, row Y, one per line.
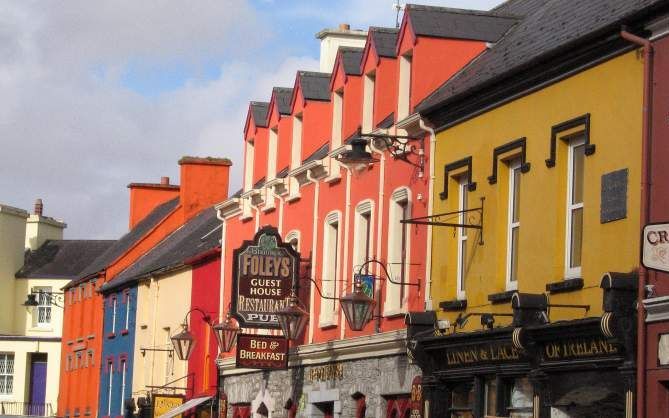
column 39, row 207
column 344, row 26
column 164, row 180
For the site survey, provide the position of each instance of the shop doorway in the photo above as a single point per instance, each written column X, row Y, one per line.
column 398, row 406
column 325, row 408
column 38, row 366
column 241, row 411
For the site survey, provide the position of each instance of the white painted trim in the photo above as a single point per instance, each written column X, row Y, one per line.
column 510, row 225
column 392, row 304
column 404, row 85
column 293, row 234
column 571, row 272
column 329, row 288
column 359, row 241
column 461, row 273
column 356, row 348
column 430, row 211
column 337, row 118
column 369, row 85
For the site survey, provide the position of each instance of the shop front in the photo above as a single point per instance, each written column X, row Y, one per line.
column 534, row 368
column 366, row 376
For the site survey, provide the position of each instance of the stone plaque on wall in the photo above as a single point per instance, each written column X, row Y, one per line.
column 614, row 196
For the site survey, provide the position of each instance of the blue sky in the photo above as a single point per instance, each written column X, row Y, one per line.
column 96, row 95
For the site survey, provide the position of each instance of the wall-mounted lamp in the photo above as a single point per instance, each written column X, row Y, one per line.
column 50, row 298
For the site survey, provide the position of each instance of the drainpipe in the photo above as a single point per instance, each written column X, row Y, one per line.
column 646, row 149
column 314, row 242
column 430, row 211
column 221, row 295
column 379, row 229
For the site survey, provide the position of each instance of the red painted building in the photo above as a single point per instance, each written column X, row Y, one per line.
column 156, row 211
column 654, row 339
column 338, row 217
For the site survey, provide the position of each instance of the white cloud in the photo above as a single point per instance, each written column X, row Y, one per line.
column 72, row 134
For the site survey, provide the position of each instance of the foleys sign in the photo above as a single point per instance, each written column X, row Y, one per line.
column 262, row 352
column 656, row 246
column 264, row 271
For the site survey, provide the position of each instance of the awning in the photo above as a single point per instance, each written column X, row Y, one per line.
column 185, row 407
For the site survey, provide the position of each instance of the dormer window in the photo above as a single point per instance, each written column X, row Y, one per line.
column 296, row 148
column 337, row 117
column 368, row 102
column 272, row 153
column 248, row 166
column 404, row 93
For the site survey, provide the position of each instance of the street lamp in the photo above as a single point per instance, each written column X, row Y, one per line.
column 183, row 343
column 357, row 158
column 292, row 318
column 31, row 301
column 357, row 306
column 226, row 333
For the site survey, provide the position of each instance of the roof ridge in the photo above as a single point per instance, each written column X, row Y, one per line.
column 383, row 29
column 315, row 73
column 456, row 10
column 351, row 49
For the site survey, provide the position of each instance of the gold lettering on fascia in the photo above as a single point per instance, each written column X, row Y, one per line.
column 265, row 265
column 327, row 372
column 583, row 348
column 482, row 354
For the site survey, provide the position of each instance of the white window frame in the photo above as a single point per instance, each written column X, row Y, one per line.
column 331, row 257
column 462, row 236
column 7, row 364
column 404, row 87
column 272, row 147
column 110, row 370
column 363, row 238
column 114, row 302
column 397, row 295
column 123, row 375
column 127, row 310
column 337, row 117
column 572, row 272
column 293, row 235
column 511, row 225
column 44, row 295
column 248, row 164
column 368, row 102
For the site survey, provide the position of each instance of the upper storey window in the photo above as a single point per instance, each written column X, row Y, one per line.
column 463, row 192
column 513, row 226
column 575, row 177
column 248, row 166
column 296, row 147
column 368, row 102
column 404, row 90
column 337, row 117
column 272, row 153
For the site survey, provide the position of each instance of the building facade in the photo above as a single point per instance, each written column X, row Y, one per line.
column 344, row 220
column 538, row 174
column 36, row 263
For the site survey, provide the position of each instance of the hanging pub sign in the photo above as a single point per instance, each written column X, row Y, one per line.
column 264, row 271
column 655, row 247
column 262, row 352
column 162, row 404
column 416, row 406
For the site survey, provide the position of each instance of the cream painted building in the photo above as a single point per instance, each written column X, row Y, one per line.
column 155, row 364
column 35, row 263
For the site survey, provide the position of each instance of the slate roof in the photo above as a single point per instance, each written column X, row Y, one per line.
column 128, row 240
column 283, row 173
column 387, row 122
column 61, row 259
column 319, row 154
column 351, row 57
column 238, row 193
column 195, row 237
column 547, row 28
column 315, row 86
column 259, row 111
column 283, row 97
column 258, row 184
column 385, row 41
column 445, row 22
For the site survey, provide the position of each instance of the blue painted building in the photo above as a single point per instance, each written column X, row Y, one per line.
column 120, row 309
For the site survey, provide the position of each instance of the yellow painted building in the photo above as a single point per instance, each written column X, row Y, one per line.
column 535, row 250
column 610, row 96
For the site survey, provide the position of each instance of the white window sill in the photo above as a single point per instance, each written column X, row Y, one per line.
column 293, row 197
column 390, row 313
column 332, row 179
column 327, row 324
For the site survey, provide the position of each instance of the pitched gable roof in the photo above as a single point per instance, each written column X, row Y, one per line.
column 314, row 85
column 283, row 96
column 547, row 30
column 128, row 240
column 259, row 111
column 445, row 22
column 351, row 58
column 385, row 41
column 195, row 237
column 61, row 259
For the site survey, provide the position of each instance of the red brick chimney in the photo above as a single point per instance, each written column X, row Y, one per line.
column 144, row 197
column 204, row 182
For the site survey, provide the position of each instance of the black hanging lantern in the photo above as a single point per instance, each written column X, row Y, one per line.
column 357, row 158
column 226, row 334
column 358, row 307
column 292, row 318
column 183, row 343
column 31, row 301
